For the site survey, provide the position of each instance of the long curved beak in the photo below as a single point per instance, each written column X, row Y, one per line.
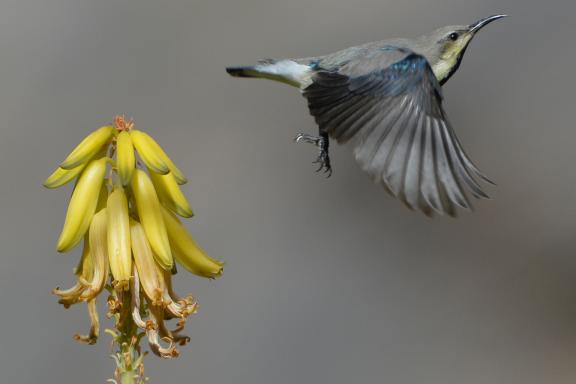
column 482, row 23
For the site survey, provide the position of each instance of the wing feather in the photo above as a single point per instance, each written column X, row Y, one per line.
column 388, row 104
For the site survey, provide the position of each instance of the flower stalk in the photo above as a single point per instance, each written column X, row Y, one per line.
column 129, row 357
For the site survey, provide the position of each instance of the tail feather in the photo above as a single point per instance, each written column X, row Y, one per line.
column 242, row 71
column 284, row 71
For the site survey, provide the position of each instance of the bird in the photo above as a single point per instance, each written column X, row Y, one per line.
column 385, row 99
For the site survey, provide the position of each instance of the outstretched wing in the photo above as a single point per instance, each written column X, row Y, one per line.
column 388, row 104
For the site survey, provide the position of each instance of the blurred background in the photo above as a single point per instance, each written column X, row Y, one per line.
column 327, row 280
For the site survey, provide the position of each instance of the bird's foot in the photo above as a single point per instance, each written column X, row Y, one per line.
column 323, row 161
column 322, row 143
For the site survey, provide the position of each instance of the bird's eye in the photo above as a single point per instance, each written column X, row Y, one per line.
column 453, row 36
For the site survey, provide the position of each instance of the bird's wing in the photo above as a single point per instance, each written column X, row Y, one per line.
column 388, row 104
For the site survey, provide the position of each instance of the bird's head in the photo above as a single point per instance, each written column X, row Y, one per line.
column 445, row 47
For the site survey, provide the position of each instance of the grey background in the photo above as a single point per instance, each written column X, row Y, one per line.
column 328, row 281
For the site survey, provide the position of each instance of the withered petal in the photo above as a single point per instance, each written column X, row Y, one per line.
column 92, row 336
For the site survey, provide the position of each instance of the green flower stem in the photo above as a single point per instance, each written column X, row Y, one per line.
column 129, row 357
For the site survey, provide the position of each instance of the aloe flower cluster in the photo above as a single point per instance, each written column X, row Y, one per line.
column 124, row 213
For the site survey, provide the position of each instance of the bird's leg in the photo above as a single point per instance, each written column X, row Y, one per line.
column 323, row 144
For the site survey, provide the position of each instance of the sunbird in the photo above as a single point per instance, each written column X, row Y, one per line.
column 385, row 99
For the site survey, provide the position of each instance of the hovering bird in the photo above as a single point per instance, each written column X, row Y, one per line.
column 385, row 98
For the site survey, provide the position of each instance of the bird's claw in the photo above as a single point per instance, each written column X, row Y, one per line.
column 323, row 159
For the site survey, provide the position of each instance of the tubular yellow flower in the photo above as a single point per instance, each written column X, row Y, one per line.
column 126, row 161
column 170, row 194
column 92, row 271
column 151, row 279
column 148, row 152
column 88, row 147
column 118, row 230
column 97, row 236
column 187, row 252
column 82, row 205
column 164, row 158
column 148, row 208
column 62, row 176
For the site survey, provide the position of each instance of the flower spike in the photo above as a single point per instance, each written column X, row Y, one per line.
column 123, row 209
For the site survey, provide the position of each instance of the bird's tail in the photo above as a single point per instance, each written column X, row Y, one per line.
column 249, row 71
column 284, row 71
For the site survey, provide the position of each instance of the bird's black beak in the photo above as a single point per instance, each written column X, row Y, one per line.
column 473, row 28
